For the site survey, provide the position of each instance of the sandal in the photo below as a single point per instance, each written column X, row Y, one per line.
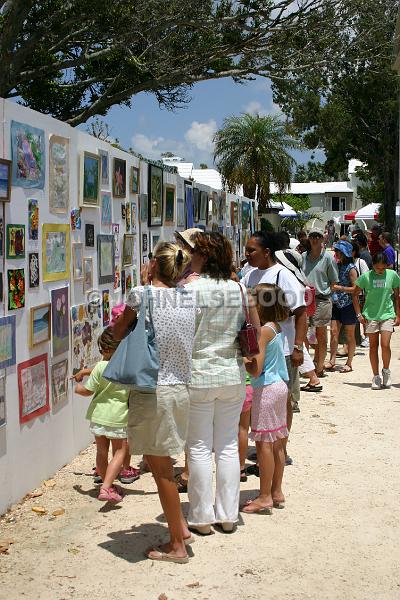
column 311, row 388
column 158, row 554
column 259, row 510
column 243, row 475
column 181, row 483
column 346, row 369
column 322, row 373
column 330, row 366
column 253, row 470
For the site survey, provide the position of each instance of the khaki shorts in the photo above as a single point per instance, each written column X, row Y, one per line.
column 323, row 312
column 293, row 383
column 158, row 420
column 378, row 326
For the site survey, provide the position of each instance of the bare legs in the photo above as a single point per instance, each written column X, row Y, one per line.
column 351, row 344
column 244, row 425
column 385, row 350
column 108, row 471
column 320, row 349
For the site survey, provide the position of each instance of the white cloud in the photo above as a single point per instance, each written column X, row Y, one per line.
column 256, row 108
column 150, row 147
column 200, row 135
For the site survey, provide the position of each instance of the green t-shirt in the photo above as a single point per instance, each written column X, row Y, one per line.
column 378, row 291
column 109, row 405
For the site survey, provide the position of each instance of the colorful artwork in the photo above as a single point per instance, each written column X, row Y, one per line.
column 133, row 217
column 87, row 325
column 119, row 178
column 123, row 211
column 128, row 217
column 15, row 241
column 33, row 387
column 128, row 284
column 40, row 326
column 89, row 235
column 154, row 241
column 203, row 206
column 245, row 215
column 90, row 179
column 155, row 195
column 76, row 221
column 105, row 258
column 5, row 180
column 106, row 307
column 115, row 230
column 33, row 270
column 59, row 174
column 135, row 180
column 128, row 249
column 170, row 204
column 105, row 169
column 59, row 382
column 3, row 415
column 16, row 288
column 180, row 212
column 196, row 205
column 55, row 252
column 28, row 156
column 117, row 278
column 123, row 282
column 7, row 342
column 106, row 209
column 59, row 320
column 33, row 220
column 144, row 203
column 77, row 261
column 87, row 274
column 144, row 242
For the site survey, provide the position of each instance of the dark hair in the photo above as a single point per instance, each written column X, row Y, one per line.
column 380, row 258
column 302, row 234
column 283, row 239
column 218, row 251
column 356, row 248
column 361, row 239
column 387, row 237
column 271, row 303
column 268, row 241
column 106, row 341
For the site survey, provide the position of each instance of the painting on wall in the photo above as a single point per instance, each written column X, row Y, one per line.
column 133, row 217
column 5, row 180
column 144, row 243
column 203, row 206
column 7, row 341
column 3, row 414
column 33, row 220
column 143, row 205
column 87, row 274
column 15, row 244
column 155, row 195
column 170, row 192
column 39, row 325
column 105, row 258
column 76, row 221
column 28, row 156
column 128, row 249
column 16, row 288
column 196, row 205
column 245, row 215
column 123, row 282
column 33, row 270
column 90, row 179
column 128, row 283
column 135, row 180
column 1, row 236
column 33, row 388
column 106, row 209
column 180, row 212
column 86, row 326
column 59, row 320
column 189, row 206
column 58, row 174
column 77, row 261
column 115, row 231
column 104, row 167
column 117, row 277
column 154, row 240
column 89, row 235
column 59, row 383
column 119, row 178
column 128, row 217
column 106, row 307
column 55, row 252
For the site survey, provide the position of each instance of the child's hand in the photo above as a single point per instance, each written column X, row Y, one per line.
column 78, row 377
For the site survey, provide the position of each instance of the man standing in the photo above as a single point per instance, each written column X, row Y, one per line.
column 363, row 245
column 321, row 271
column 385, row 240
column 373, row 243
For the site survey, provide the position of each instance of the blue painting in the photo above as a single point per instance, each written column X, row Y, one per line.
column 28, row 155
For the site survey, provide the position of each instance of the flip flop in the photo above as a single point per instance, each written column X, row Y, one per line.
column 181, row 484
column 261, row 510
column 279, row 504
column 346, row 369
column 329, row 367
column 164, row 556
column 311, row 388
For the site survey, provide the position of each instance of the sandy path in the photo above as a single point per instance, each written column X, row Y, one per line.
column 337, row 538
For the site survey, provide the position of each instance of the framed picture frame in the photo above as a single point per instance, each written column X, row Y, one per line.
column 59, row 382
column 169, row 211
column 180, row 212
column 15, row 241
column 143, row 207
column 5, row 180
column 155, row 195
column 90, row 179
column 119, row 178
column 106, row 209
column 145, row 243
column 33, row 388
column 203, row 206
column 7, row 341
column 39, row 325
column 104, row 167
column 105, row 295
column 59, row 170
column 77, row 261
column 16, row 288
column 28, row 156
column 133, row 217
column 155, row 238
column 89, row 235
column 196, row 205
column 33, row 270
column 117, row 278
column 105, row 258
column 55, row 252
column 115, row 231
column 128, row 250
column 135, row 180
column 87, row 274
column 59, row 320
column 3, row 408
column 33, row 220
column 76, row 220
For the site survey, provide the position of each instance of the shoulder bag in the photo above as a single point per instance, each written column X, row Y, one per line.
column 248, row 334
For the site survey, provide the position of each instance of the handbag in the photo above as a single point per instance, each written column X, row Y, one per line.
column 248, row 334
column 135, row 363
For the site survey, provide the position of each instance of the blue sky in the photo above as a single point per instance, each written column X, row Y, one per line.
column 188, row 132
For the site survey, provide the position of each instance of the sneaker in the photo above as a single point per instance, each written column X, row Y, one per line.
column 110, row 495
column 376, row 383
column 129, row 475
column 365, row 343
column 386, row 378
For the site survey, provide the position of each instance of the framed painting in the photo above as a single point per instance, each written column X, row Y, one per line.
column 7, row 341
column 155, row 193
column 33, row 270
column 3, row 412
column 128, row 250
column 76, row 221
column 145, row 245
column 105, row 258
column 77, row 261
column 123, row 282
column 28, row 155
column 33, row 220
column 104, row 167
column 90, row 179
column 106, row 307
column 59, row 320
column 33, row 388
column 143, row 206
column 128, row 217
column 245, row 215
column 155, row 238
column 133, row 217
column 196, row 205
column 189, row 205
column 87, row 274
column 16, row 288
column 117, row 278
column 59, row 382
column 39, row 325
column 86, row 326
column 15, row 241
column 119, row 178
column 128, row 282
column 170, row 194
column 115, row 231
column 55, row 252
column 5, row 180
column 89, row 235
column 180, row 212
column 1, row 236
column 203, row 206
column 135, row 180
column 106, row 209
column 58, row 174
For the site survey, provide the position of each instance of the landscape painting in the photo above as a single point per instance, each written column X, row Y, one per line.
column 28, row 155
column 40, row 325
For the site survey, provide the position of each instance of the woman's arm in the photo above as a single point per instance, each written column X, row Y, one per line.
column 82, row 391
column 254, row 366
column 342, row 288
column 356, row 303
column 128, row 317
column 397, row 306
column 253, row 313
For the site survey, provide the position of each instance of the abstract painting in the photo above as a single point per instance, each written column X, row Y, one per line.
column 33, row 270
column 90, row 179
column 5, row 180
column 133, row 217
column 15, row 247
column 40, row 325
column 33, row 387
column 105, row 258
column 106, row 209
column 89, row 235
column 7, row 342
column 170, row 204
column 3, row 415
column 77, row 261
column 16, row 288
column 144, row 203
column 86, row 325
column 87, row 274
column 119, row 178
column 28, row 156
column 33, row 220
column 155, row 195
column 115, row 230
column 106, row 307
column 105, row 169
column 59, row 382
column 180, row 212
column 55, row 252
column 76, row 221
column 58, row 174
column 128, row 249
column 59, row 320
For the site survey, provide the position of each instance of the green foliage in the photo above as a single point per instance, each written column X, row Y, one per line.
column 316, row 171
column 266, row 225
column 299, row 203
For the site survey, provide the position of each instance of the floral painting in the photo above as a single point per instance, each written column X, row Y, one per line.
column 106, row 209
column 119, row 178
column 86, row 326
column 33, row 388
column 28, row 156
column 76, row 221
column 15, row 241
column 16, row 288
column 90, row 179
column 59, row 320
column 58, row 174
column 7, row 341
column 55, row 252
column 33, row 220
column 33, row 270
column 59, row 382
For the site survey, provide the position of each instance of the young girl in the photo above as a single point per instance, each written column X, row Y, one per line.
column 108, row 415
column 380, row 314
column 269, row 378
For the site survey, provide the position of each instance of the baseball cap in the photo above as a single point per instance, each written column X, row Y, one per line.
column 316, row 231
column 345, row 247
column 187, row 234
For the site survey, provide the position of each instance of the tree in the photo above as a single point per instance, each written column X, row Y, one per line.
column 253, row 151
column 316, row 171
column 99, row 129
column 301, row 204
column 203, row 166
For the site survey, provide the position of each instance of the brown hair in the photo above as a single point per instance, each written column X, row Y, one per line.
column 171, row 261
column 107, row 343
column 271, row 303
column 218, row 251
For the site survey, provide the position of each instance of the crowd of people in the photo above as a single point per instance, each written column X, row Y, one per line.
column 209, row 391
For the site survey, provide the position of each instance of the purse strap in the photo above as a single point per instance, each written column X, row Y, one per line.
column 244, row 305
column 148, row 303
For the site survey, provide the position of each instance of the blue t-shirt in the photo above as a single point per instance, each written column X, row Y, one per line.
column 274, row 369
column 390, row 255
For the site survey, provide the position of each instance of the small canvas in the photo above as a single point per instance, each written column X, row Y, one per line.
column 59, row 382
column 117, row 278
column 155, row 195
column 87, row 274
column 58, row 174
column 115, row 231
column 106, row 307
column 169, row 216
column 3, row 413
column 15, row 241
column 106, row 209
column 76, row 221
column 128, row 249
column 86, row 326
column 40, row 325
column 5, row 180
column 55, row 252
column 105, row 258
column 33, row 387
column 7, row 341
column 16, row 288
column 119, row 178
column 89, row 235
column 28, row 155
column 104, row 167
column 33, row 220
column 59, row 320
column 135, row 180
column 77, row 261
column 133, row 217
column 90, row 179
column 143, row 202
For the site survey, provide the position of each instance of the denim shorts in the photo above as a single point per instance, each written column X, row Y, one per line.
column 346, row 315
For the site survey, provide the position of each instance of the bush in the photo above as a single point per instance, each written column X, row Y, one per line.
column 266, row 225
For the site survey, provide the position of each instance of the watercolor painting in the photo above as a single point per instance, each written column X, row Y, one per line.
column 33, row 270
column 55, row 252
column 5, row 180
column 3, row 413
column 105, row 258
column 76, row 221
column 117, row 277
column 15, row 246
column 119, row 178
column 87, row 274
column 135, row 180
column 59, row 382
column 106, row 209
column 105, row 168
column 128, row 249
column 16, row 288
column 86, row 326
column 40, row 325
column 144, row 204
column 106, row 307
column 33, row 220
column 169, row 216
column 90, row 179
column 58, row 174
column 115, row 231
column 77, row 261
column 7, row 341
column 59, row 320
column 155, row 195
column 33, row 387
column 28, row 153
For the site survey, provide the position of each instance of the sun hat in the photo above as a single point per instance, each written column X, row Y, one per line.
column 316, row 231
column 293, row 261
column 345, row 247
column 187, row 234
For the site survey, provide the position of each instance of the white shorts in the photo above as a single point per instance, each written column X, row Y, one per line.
column 378, row 326
column 108, row 432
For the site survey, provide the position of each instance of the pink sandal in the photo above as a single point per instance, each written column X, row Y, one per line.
column 110, row 494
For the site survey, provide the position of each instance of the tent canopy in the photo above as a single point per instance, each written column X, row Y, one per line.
column 287, row 211
column 369, row 212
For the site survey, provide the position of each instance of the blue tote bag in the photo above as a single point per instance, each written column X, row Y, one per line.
column 135, row 363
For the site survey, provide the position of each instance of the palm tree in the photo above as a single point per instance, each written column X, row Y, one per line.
column 252, row 151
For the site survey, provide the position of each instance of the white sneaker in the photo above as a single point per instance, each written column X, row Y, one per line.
column 376, row 383
column 386, row 378
column 365, row 343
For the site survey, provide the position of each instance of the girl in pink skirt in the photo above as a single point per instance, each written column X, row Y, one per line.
column 268, row 414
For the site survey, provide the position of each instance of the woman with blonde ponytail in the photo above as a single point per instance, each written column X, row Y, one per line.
column 158, row 419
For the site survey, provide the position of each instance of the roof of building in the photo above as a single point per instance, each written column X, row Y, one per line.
column 314, row 187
